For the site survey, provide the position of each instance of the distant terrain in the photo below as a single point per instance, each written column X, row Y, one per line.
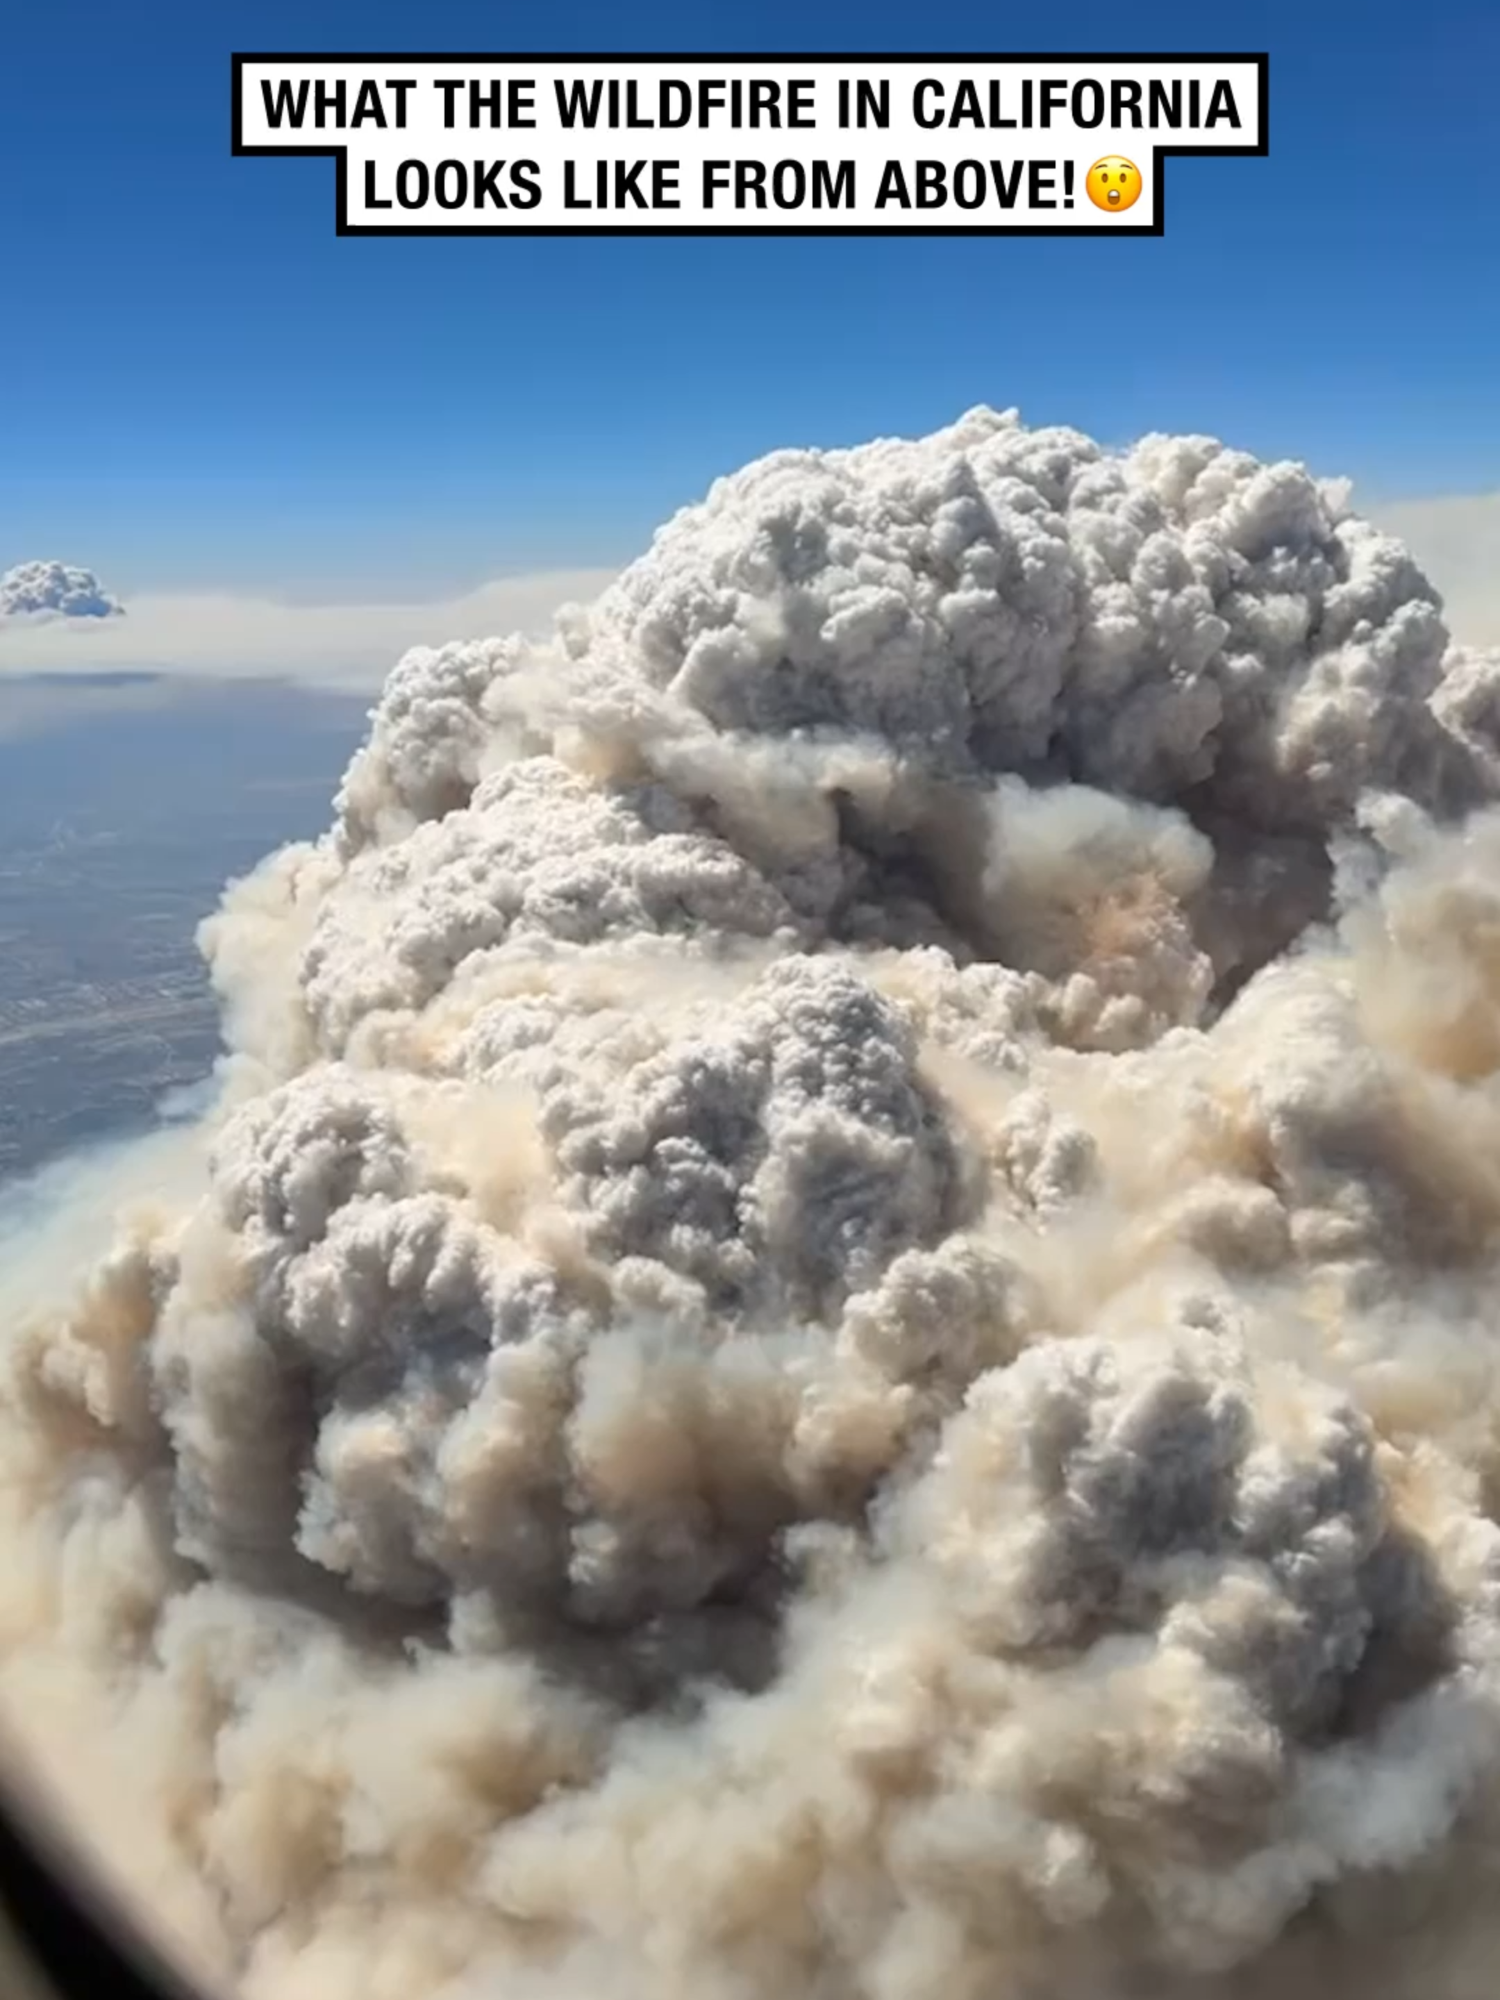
column 119, row 826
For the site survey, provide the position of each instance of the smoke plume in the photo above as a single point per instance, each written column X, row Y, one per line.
column 834, row 1335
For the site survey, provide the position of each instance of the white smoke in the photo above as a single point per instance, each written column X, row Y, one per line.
column 46, row 590
column 1455, row 538
column 834, row 1337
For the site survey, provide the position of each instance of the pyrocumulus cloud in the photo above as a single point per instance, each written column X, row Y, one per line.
column 55, row 590
column 834, row 1337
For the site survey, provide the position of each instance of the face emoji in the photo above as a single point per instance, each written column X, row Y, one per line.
column 1114, row 183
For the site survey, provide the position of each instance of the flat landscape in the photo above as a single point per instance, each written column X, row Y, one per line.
column 118, row 831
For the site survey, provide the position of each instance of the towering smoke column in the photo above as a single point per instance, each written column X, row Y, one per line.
column 836, row 1338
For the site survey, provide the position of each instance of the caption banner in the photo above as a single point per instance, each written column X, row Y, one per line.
column 548, row 145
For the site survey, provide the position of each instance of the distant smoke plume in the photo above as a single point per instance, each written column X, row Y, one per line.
column 835, row 1337
column 55, row 590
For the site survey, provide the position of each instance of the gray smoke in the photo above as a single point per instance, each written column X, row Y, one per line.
column 833, row 1337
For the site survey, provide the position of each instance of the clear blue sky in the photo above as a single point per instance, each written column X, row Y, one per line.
column 205, row 385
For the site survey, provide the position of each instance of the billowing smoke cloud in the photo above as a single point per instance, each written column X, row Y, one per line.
column 835, row 1337
column 1455, row 538
column 55, row 590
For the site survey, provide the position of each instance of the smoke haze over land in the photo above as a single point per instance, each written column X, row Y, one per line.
column 196, row 636
column 834, row 1336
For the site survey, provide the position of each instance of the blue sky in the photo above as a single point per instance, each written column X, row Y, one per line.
column 208, row 388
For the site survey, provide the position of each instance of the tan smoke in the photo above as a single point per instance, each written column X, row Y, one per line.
column 835, row 1336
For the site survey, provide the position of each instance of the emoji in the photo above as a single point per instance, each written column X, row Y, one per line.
column 1114, row 183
